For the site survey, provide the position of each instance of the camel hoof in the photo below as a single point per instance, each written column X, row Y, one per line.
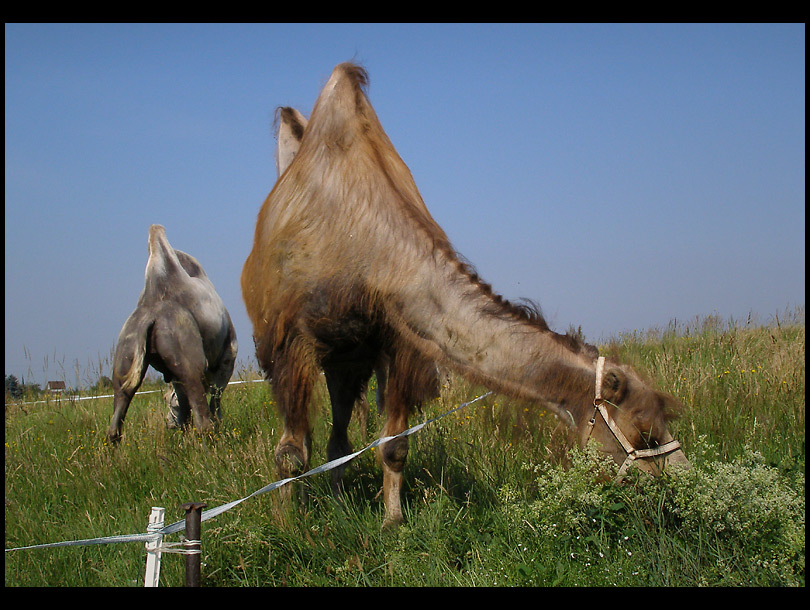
column 392, row 523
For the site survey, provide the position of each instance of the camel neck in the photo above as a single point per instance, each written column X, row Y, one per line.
column 472, row 332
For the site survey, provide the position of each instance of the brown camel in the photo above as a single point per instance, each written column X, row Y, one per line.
column 290, row 129
column 348, row 269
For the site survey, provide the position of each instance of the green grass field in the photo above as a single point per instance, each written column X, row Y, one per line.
column 494, row 494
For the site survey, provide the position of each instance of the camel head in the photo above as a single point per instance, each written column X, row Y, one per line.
column 629, row 421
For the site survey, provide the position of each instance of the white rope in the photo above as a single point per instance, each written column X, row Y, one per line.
column 175, row 547
column 69, row 398
column 208, row 514
column 152, row 536
column 91, row 541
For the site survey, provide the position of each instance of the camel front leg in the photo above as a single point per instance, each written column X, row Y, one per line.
column 408, row 375
column 221, row 374
column 392, row 456
column 294, row 448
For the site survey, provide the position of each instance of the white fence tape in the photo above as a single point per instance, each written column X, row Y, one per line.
column 209, row 514
column 69, row 398
column 90, row 541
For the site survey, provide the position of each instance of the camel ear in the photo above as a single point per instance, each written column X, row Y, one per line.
column 614, row 385
column 672, row 407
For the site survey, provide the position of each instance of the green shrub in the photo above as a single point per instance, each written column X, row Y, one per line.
column 748, row 506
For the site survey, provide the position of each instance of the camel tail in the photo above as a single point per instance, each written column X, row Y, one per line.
column 130, row 354
column 132, row 379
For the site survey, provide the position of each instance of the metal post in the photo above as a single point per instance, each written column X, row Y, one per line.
column 194, row 538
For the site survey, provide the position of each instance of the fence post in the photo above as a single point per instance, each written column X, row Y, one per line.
column 152, row 576
column 193, row 542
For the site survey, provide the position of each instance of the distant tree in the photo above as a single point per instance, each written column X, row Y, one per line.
column 103, row 383
column 13, row 387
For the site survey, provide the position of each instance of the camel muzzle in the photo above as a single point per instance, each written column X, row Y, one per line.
column 653, row 460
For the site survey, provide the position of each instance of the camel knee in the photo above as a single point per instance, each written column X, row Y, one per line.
column 291, row 459
column 395, row 452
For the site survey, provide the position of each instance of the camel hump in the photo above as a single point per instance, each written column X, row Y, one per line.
column 348, row 75
column 158, row 243
column 163, row 260
column 342, row 111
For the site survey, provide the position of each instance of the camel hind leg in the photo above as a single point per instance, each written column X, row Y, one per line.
column 178, row 346
column 129, row 368
column 346, row 385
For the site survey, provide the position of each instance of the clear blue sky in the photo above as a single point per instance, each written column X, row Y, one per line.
column 621, row 176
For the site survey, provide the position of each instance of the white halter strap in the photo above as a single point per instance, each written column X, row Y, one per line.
column 632, row 452
column 600, row 367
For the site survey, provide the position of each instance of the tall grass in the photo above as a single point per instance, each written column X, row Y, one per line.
column 494, row 495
